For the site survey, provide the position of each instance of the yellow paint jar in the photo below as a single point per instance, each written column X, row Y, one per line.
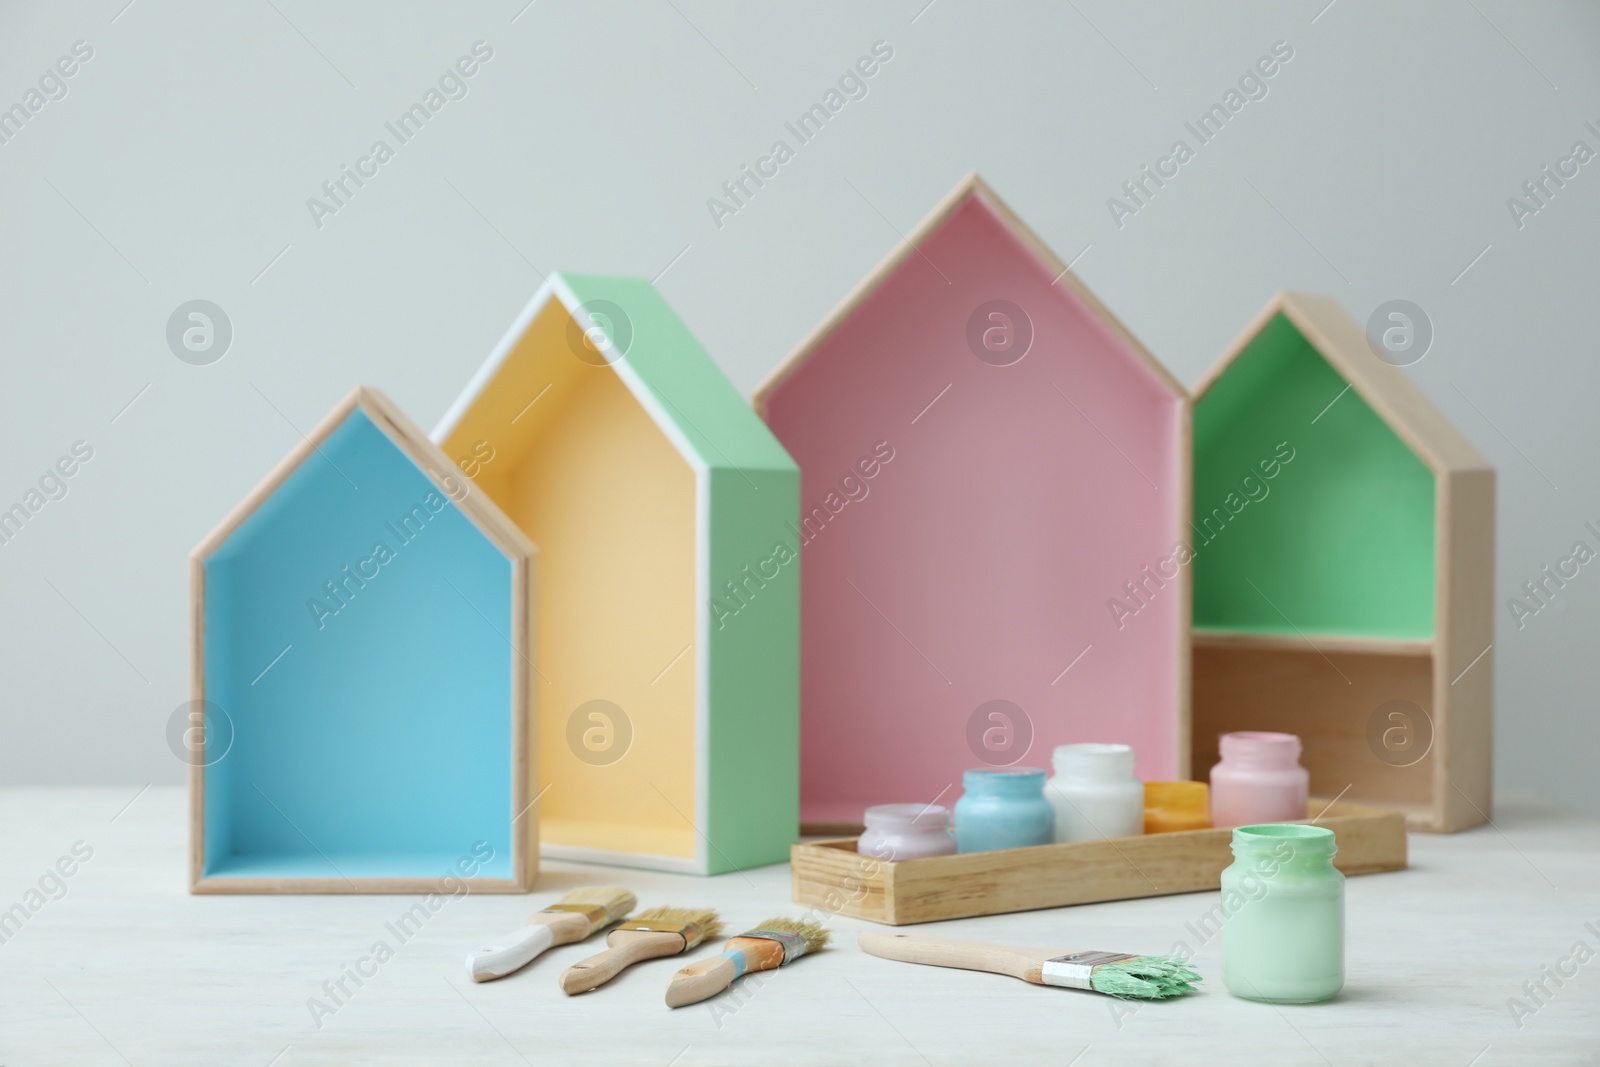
column 1176, row 806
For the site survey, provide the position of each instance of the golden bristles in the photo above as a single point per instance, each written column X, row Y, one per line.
column 616, row 900
column 706, row 919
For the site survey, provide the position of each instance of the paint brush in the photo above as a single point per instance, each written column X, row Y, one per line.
column 1115, row 973
column 650, row 935
column 772, row 944
column 574, row 917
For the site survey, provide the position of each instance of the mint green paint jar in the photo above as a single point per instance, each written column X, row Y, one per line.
column 1283, row 915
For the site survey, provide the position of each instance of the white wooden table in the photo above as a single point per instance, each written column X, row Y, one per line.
column 122, row 965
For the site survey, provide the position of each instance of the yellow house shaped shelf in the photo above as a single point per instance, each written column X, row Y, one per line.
column 664, row 514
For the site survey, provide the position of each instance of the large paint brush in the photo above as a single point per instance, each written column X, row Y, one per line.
column 574, row 917
column 772, row 944
column 649, row 935
column 1116, row 973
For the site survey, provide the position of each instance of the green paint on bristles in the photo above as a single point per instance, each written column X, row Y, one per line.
column 1145, row 978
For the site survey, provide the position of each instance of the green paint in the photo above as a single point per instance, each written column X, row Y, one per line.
column 752, row 812
column 1339, row 539
column 1145, row 978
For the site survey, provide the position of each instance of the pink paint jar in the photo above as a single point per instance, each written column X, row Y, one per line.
column 907, row 832
column 1259, row 780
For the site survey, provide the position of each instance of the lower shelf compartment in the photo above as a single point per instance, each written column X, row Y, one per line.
column 1367, row 719
column 832, row 876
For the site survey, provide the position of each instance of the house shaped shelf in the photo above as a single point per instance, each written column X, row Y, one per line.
column 995, row 485
column 664, row 511
column 360, row 713
column 1343, row 575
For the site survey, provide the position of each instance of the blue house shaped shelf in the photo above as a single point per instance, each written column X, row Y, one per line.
column 360, row 686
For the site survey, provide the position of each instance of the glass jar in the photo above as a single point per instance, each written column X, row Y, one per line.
column 1283, row 915
column 1095, row 794
column 1258, row 780
column 907, row 832
column 1170, row 806
column 1003, row 808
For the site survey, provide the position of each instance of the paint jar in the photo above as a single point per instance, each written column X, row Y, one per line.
column 1259, row 780
column 1172, row 806
column 1283, row 915
column 907, row 832
column 1095, row 794
column 1003, row 808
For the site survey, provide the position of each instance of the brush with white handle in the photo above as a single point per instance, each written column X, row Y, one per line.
column 579, row 914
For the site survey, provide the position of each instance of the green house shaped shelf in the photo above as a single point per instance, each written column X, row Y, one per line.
column 664, row 512
column 1343, row 573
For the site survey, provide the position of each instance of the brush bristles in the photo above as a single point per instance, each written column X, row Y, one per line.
column 816, row 937
column 610, row 897
column 615, row 901
column 704, row 920
column 1145, row 978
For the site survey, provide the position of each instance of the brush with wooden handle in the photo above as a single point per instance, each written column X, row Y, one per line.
column 649, row 935
column 1115, row 973
column 772, row 944
column 574, row 917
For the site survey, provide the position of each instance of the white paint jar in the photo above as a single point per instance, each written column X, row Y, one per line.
column 1095, row 793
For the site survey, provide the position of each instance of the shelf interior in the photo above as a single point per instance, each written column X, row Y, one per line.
column 964, row 602
column 1310, row 514
column 359, row 676
column 570, row 455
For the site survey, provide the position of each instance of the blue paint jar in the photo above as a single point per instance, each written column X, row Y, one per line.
column 1003, row 808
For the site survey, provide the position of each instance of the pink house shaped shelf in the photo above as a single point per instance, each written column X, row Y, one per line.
column 995, row 485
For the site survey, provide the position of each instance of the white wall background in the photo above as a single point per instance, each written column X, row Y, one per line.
column 178, row 165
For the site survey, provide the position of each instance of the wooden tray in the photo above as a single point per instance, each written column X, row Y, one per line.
column 832, row 875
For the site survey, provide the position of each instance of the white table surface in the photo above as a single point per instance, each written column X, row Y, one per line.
column 127, row 968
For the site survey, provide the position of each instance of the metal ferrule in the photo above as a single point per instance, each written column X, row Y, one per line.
column 690, row 932
column 793, row 944
column 1076, row 970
